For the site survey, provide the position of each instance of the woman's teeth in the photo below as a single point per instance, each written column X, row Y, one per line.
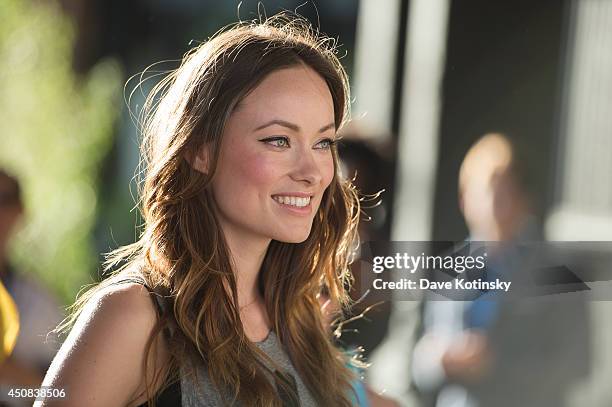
column 292, row 200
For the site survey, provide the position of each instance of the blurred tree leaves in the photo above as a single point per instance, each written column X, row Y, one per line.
column 55, row 128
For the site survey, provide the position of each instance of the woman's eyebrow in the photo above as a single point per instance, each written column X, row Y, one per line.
column 291, row 126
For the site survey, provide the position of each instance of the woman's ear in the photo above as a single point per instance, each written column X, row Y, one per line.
column 200, row 160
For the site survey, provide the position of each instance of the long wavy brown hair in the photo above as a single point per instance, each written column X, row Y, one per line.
column 182, row 254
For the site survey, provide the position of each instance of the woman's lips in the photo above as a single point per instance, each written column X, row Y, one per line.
column 295, row 205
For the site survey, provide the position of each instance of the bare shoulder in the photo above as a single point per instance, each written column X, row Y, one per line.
column 101, row 361
column 119, row 312
column 124, row 302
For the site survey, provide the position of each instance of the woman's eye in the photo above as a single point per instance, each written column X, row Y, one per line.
column 325, row 144
column 282, row 142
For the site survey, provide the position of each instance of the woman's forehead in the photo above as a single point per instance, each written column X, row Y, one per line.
column 297, row 92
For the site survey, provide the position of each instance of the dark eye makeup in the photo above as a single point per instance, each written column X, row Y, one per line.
column 283, row 142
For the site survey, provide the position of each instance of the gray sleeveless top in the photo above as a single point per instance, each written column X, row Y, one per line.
column 202, row 393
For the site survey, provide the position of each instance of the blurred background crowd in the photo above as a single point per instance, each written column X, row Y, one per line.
column 479, row 118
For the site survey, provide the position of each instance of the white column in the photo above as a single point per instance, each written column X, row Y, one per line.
column 584, row 211
column 585, row 171
column 375, row 62
column 420, row 119
column 414, row 188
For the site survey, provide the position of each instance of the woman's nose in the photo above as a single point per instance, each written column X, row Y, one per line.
column 307, row 169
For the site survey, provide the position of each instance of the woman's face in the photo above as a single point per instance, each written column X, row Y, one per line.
column 276, row 160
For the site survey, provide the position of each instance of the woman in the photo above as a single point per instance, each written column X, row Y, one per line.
column 246, row 218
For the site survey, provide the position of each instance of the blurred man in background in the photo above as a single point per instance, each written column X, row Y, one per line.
column 490, row 351
column 38, row 311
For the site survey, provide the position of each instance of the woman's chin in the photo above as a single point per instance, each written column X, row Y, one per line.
column 293, row 237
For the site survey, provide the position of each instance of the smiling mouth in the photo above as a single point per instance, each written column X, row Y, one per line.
column 293, row 201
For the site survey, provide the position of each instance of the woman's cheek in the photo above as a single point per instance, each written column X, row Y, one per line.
column 259, row 170
column 328, row 172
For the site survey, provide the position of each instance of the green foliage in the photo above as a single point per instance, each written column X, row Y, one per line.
column 55, row 128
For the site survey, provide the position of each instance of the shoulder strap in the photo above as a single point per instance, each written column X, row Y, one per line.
column 157, row 301
column 171, row 395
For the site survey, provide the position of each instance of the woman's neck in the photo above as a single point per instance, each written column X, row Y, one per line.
column 247, row 254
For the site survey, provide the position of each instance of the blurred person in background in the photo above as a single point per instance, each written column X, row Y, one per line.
column 37, row 309
column 366, row 162
column 9, row 329
column 9, row 324
column 246, row 219
column 358, row 157
column 332, row 320
column 491, row 352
